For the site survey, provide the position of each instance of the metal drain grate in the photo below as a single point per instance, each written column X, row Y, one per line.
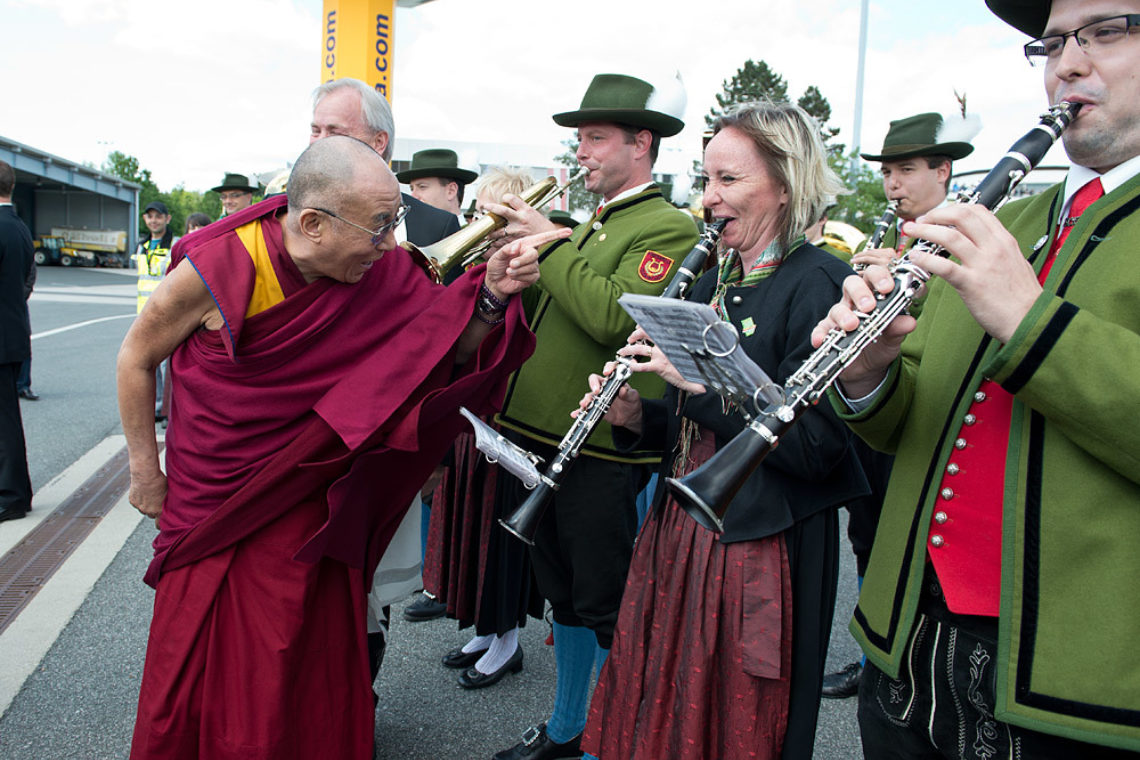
column 28, row 566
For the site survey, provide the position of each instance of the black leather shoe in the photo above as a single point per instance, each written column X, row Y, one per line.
column 843, row 684
column 29, row 394
column 458, row 659
column 424, row 608
column 536, row 745
column 473, row 679
column 12, row 513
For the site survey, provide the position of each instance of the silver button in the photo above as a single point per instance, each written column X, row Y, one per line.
column 947, row 493
column 960, row 444
column 597, row 226
column 941, row 517
column 737, row 300
column 936, row 541
column 969, row 419
column 952, row 469
column 980, row 396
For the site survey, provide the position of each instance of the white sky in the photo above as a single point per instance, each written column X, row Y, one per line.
column 195, row 89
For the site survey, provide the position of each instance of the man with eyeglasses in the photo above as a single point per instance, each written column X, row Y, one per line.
column 996, row 613
column 317, row 382
column 236, row 193
column 351, row 107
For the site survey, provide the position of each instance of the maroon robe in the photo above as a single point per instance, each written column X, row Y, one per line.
column 297, row 439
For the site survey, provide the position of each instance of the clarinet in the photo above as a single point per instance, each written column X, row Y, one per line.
column 706, row 492
column 890, row 214
column 523, row 522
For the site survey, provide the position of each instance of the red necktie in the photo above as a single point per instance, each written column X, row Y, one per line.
column 1083, row 198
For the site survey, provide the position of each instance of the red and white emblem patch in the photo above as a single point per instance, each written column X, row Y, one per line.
column 654, row 266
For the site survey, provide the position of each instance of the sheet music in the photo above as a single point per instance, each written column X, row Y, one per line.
column 514, row 459
column 704, row 348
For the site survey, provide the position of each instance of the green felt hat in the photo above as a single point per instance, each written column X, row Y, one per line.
column 1029, row 16
column 436, row 162
column 235, row 182
column 563, row 218
column 918, row 136
column 624, row 99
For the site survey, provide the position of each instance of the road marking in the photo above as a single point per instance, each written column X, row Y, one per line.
column 29, row 637
column 77, row 325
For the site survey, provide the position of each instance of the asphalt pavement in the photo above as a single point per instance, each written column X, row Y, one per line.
column 79, row 699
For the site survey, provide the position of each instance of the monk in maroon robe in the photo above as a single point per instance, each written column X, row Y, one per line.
column 317, row 377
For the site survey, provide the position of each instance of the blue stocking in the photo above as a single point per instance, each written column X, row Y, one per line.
column 575, row 648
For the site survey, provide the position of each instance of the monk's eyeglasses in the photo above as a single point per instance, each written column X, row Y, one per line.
column 377, row 234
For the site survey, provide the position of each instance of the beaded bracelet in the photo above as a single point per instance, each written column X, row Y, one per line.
column 489, row 309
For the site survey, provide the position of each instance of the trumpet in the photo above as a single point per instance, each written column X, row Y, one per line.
column 523, row 522
column 707, row 491
column 466, row 245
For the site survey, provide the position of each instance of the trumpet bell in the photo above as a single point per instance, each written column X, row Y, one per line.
column 438, row 258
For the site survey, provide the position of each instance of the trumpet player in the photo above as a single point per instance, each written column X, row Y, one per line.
column 632, row 243
column 991, row 613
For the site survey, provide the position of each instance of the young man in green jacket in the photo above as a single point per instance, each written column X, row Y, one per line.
column 996, row 613
column 632, row 244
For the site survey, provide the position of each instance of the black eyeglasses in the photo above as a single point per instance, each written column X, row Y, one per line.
column 1091, row 38
column 377, row 234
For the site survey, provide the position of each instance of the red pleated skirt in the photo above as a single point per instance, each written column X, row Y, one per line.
column 701, row 660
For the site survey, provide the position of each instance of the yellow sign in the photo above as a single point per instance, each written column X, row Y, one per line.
column 358, row 42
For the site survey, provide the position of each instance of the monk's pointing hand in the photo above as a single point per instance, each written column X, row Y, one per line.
column 514, row 267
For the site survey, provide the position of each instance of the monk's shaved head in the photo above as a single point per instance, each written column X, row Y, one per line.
column 325, row 173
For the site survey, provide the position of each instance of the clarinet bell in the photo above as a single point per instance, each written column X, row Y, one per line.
column 706, row 492
column 523, row 522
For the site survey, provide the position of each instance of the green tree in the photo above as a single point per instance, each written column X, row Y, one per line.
column 815, row 104
column 180, row 202
column 127, row 167
column 752, row 81
column 863, row 207
column 578, row 198
column 757, row 81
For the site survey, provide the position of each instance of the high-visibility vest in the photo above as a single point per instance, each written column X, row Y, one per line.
column 151, row 264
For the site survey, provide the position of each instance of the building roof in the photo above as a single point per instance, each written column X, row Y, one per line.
column 53, row 172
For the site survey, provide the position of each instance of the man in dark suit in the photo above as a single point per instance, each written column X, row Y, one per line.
column 15, row 346
column 350, row 107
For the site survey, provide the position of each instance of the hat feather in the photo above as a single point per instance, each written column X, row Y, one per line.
column 958, row 128
column 669, row 98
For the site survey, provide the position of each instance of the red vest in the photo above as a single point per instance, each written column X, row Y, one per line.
column 964, row 540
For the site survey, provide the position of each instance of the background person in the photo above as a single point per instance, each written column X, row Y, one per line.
column 152, row 259
column 436, row 179
column 16, row 264
column 236, row 193
column 472, row 565
column 196, row 221
column 353, row 108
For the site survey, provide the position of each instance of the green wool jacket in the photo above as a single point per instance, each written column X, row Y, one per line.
column 1069, row 617
column 633, row 247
